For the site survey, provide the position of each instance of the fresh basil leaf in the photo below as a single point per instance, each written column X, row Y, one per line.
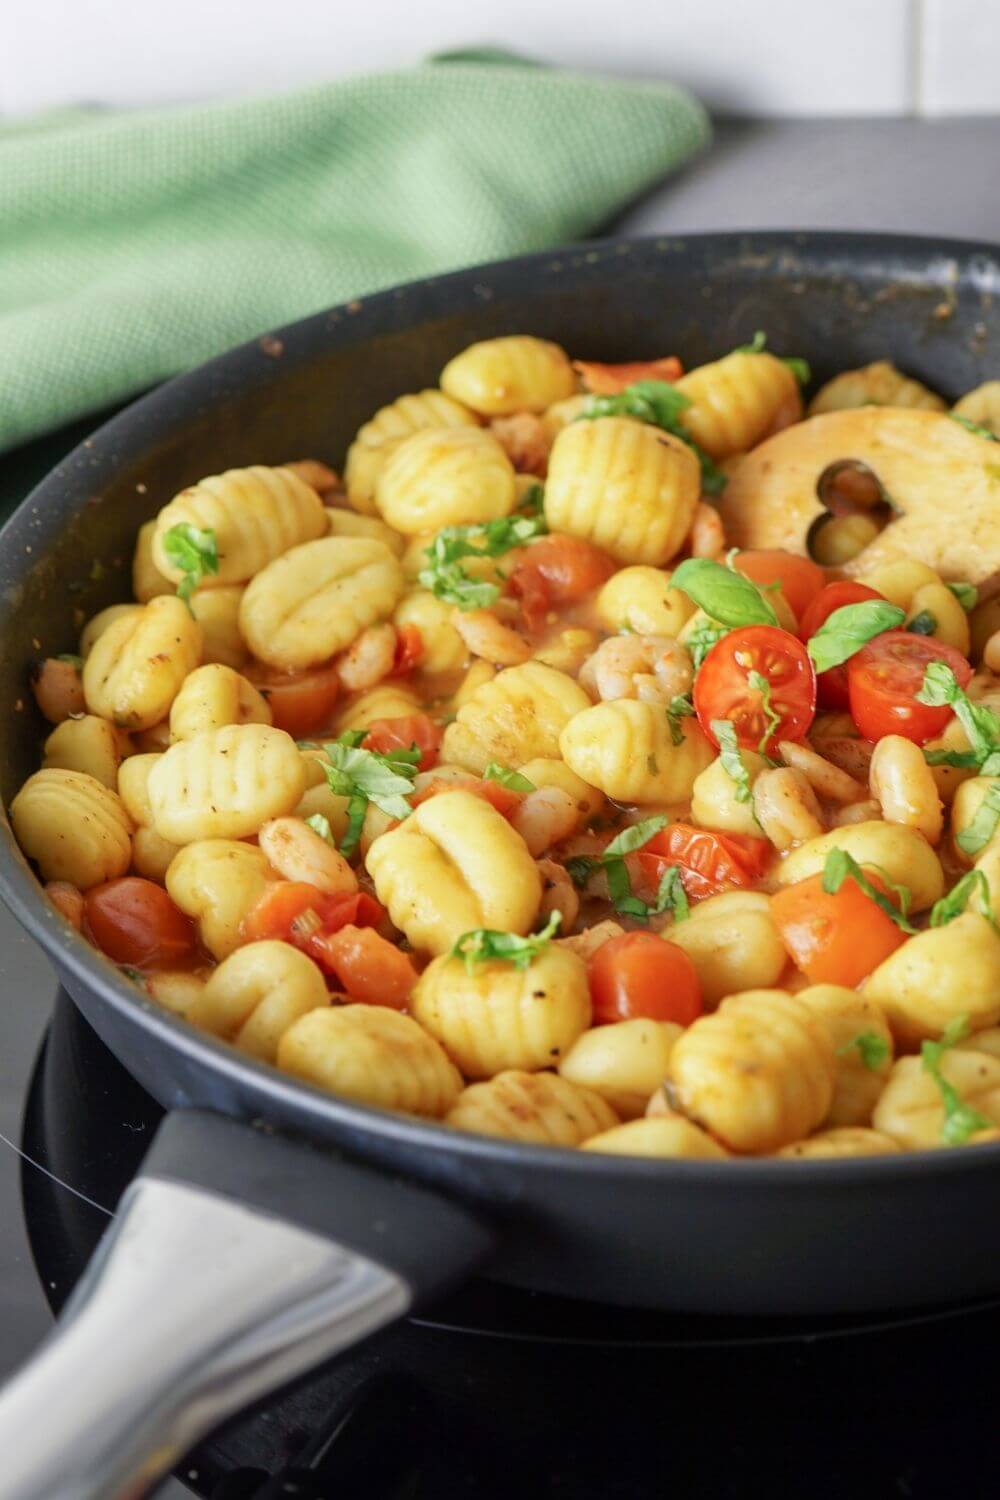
column 984, row 825
column 582, row 866
column 506, row 777
column 757, row 344
column 482, row 945
column 444, row 574
column 975, row 428
column 660, row 404
column 634, row 837
column 960, row 1119
column 321, row 825
column 973, row 884
column 732, row 761
column 923, row 623
column 724, row 595
column 680, row 707
column 195, row 551
column 840, row 866
column 873, row 1049
column 849, row 628
column 671, row 894
column 532, row 502
column 982, row 726
column 762, row 685
column 701, row 640
column 74, row 661
column 966, row 594
column 365, row 776
column 962, row 759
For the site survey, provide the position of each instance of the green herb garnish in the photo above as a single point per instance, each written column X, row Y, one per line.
column 444, row 574
column 923, row 623
column 966, row 594
column 984, row 825
column 364, row 776
column 972, row 884
column 660, row 404
column 724, row 594
column 581, row 866
column 195, row 551
column 873, row 1049
column 762, row 685
column 701, row 640
column 982, row 729
column 680, row 707
column 506, row 777
column 732, row 761
column 481, row 945
column 974, row 428
column 74, row 661
column 840, row 866
column 849, row 628
column 321, row 825
column 960, row 1119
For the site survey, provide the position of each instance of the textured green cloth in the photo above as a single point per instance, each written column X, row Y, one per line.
column 133, row 246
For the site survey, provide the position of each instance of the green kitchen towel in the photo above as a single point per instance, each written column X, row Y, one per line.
column 135, row 245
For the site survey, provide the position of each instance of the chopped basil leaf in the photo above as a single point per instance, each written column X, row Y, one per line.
column 321, row 825
column 982, row 727
column 532, row 502
column 193, row 550
column 873, row 1049
column 960, row 1119
column 849, row 628
column 482, row 944
column 732, row 761
column 445, row 576
column 840, row 866
column 671, row 893
column 74, row 661
column 365, row 776
column 975, row 428
column 680, row 707
column 960, row 758
column 701, row 640
column 972, row 884
column 506, row 777
column 581, row 866
column 758, row 344
column 722, row 593
column 762, row 685
column 966, row 594
column 660, row 404
column 634, row 837
column 923, row 623
column 984, row 824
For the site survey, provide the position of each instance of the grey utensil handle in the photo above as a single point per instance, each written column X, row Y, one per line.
column 198, row 1302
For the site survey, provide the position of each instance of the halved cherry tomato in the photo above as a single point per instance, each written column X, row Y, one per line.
column 640, row 974
column 831, row 685
column 290, row 910
column 884, row 678
column 300, row 702
column 409, row 649
column 608, row 380
column 135, row 922
column 503, row 798
column 709, row 862
column 557, row 570
column 368, row 967
column 837, row 939
column 722, row 689
column 800, row 578
column 385, row 735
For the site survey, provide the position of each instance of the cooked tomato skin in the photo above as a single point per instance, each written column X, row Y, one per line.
column 838, row 939
column 831, row 685
column 722, row 689
column 503, row 798
column 386, row 735
column 300, row 702
column 800, row 578
column 608, row 380
column 366, row 966
column 884, row 677
column 709, row 862
column 555, row 571
column 135, row 922
column 283, row 902
column 640, row 974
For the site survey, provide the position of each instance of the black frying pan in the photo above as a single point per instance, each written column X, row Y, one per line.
column 242, row 1257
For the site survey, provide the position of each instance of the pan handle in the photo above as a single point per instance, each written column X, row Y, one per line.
column 238, row 1260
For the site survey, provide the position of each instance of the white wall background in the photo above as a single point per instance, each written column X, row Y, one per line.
column 783, row 57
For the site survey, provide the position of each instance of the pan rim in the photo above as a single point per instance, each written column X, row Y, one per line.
column 127, row 435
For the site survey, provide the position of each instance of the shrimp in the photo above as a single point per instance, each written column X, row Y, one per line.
column 785, row 806
column 827, row 780
column 487, row 637
column 653, row 668
column 558, row 894
column 297, row 852
column 706, row 537
column 368, row 659
column 545, row 817
column 525, row 439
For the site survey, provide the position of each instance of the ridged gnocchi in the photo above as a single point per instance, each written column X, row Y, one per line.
column 256, row 994
column 902, row 855
column 217, row 881
column 224, row 783
column 625, row 748
column 640, row 599
column 73, row 827
column 538, row 1107
column 738, row 400
column 377, row 439
column 445, row 477
column 87, row 744
column 516, row 716
column 911, row 1107
column 136, row 666
column 371, row 1054
column 624, row 1063
column 939, row 975
column 516, row 373
column 733, row 943
column 212, row 697
column 666, row 1135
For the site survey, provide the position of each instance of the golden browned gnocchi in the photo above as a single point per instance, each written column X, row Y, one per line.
column 489, row 786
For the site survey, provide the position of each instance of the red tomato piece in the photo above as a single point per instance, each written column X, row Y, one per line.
column 295, row 912
column 368, row 967
column 386, row 735
column 838, row 939
column 800, row 578
column 608, row 380
column 135, row 922
column 409, row 650
column 555, row 571
column 503, row 798
column 640, row 974
column 831, row 685
column 722, row 688
column 884, row 677
column 709, row 862
column 300, row 702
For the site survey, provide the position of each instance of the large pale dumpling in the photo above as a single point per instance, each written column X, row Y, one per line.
column 623, row 485
column 316, row 599
column 457, row 476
